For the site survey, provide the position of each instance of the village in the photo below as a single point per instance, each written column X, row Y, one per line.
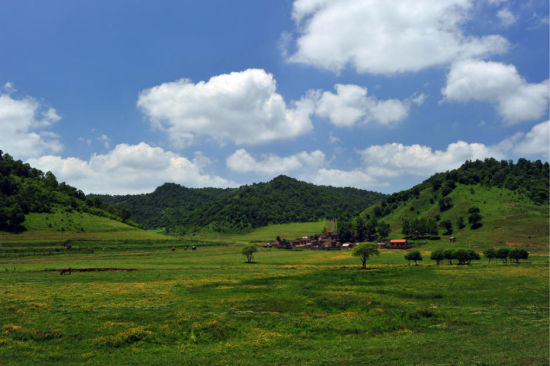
column 329, row 240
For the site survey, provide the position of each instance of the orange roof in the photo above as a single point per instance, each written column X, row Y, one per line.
column 398, row 241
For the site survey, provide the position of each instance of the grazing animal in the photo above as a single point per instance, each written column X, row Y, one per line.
column 194, row 247
column 173, row 249
column 65, row 271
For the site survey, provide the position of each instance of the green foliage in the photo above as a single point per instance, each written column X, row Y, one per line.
column 25, row 190
column 437, row 255
column 448, row 226
column 419, row 228
column 465, row 256
column 248, row 252
column 518, row 253
column 383, row 229
column 474, row 218
column 502, row 254
column 364, row 251
column 490, row 254
column 449, row 254
column 413, row 256
column 282, row 200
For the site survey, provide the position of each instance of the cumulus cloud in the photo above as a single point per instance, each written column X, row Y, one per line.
column 386, row 37
column 351, row 105
column 346, row 178
column 506, row 17
column 241, row 161
column 515, row 99
column 242, row 107
column 22, row 121
column 387, row 159
column 130, row 169
column 536, row 141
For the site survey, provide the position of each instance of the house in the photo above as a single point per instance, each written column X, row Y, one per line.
column 399, row 244
column 381, row 245
column 452, row 239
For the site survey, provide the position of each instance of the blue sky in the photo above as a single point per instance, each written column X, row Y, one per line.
column 122, row 96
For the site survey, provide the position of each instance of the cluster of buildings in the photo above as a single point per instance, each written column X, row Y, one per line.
column 329, row 240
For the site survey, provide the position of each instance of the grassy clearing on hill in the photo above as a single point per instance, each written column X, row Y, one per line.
column 267, row 233
column 289, row 307
column 62, row 225
column 508, row 217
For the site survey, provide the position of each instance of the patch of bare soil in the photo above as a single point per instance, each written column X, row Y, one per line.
column 70, row 270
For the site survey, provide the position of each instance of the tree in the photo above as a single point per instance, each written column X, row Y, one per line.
column 489, row 254
column 465, row 256
column 364, row 251
column 248, row 252
column 448, row 226
column 475, row 218
column 361, row 228
column 460, row 223
column 502, row 254
column 437, row 255
column 516, row 254
column 449, row 254
column 383, row 229
column 445, row 203
column 413, row 256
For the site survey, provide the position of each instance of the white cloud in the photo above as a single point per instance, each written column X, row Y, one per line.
column 386, row 37
column 130, row 169
column 536, row 141
column 506, row 17
column 391, row 160
column 346, row 178
column 515, row 99
column 105, row 140
column 241, row 161
column 21, row 121
column 242, row 107
column 351, row 105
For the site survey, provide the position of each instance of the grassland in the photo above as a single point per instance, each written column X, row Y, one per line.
column 289, row 307
column 267, row 233
column 508, row 217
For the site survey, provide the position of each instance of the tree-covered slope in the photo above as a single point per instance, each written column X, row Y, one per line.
column 282, row 200
column 25, row 191
column 166, row 204
column 481, row 202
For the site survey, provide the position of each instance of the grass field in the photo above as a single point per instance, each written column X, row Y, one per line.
column 208, row 307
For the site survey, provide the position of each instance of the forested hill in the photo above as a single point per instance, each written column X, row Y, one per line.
column 484, row 201
column 281, row 200
column 25, row 190
column 165, row 204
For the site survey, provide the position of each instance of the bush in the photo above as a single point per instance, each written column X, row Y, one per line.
column 449, row 254
column 502, row 254
column 490, row 254
column 516, row 254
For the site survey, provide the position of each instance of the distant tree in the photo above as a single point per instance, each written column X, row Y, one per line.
column 437, row 255
column 345, row 230
column 490, row 254
column 361, row 228
column 474, row 218
column 413, row 256
column 448, row 226
column 460, row 223
column 516, row 254
column 383, row 229
column 364, row 251
column 248, row 252
column 406, row 227
column 502, row 254
column 445, row 203
column 465, row 256
column 449, row 255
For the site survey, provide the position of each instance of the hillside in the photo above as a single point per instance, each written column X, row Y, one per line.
column 482, row 202
column 165, row 204
column 282, row 200
column 34, row 206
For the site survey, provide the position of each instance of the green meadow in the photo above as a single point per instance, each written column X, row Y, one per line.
column 208, row 307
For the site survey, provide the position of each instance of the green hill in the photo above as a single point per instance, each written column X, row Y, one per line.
column 164, row 205
column 481, row 203
column 282, row 200
column 35, row 207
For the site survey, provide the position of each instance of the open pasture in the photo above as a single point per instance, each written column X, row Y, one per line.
column 288, row 307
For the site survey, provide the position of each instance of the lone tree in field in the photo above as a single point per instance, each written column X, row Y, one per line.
column 365, row 251
column 413, row 256
column 248, row 252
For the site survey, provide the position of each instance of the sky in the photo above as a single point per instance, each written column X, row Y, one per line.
column 120, row 97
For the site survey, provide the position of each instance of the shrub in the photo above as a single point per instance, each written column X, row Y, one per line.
column 248, row 252
column 516, row 254
column 449, row 254
column 502, row 254
column 490, row 254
